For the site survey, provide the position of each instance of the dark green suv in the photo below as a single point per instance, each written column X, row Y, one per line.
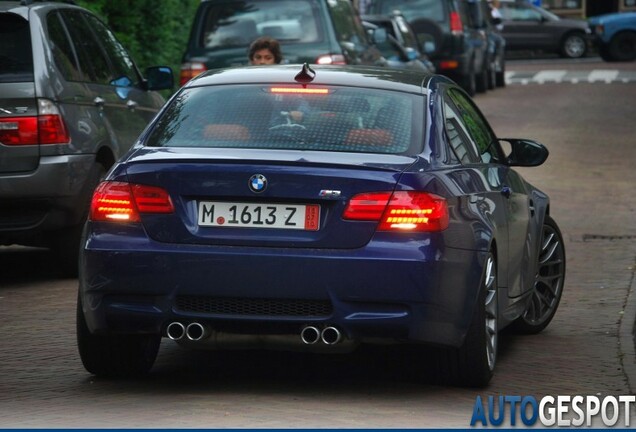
column 71, row 103
column 457, row 31
column 311, row 31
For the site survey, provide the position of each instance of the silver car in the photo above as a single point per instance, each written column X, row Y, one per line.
column 71, row 103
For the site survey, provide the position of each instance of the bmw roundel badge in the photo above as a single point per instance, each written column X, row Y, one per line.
column 257, row 183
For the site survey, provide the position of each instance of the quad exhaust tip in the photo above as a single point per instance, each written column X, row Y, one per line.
column 176, row 331
column 309, row 335
column 329, row 335
column 195, row 331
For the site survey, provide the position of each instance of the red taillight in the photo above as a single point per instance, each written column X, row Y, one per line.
column 448, row 64
column 117, row 201
column 367, row 206
column 19, row 130
column 456, row 25
column 46, row 128
column 400, row 211
column 52, row 130
column 190, row 70
column 331, row 59
column 151, row 199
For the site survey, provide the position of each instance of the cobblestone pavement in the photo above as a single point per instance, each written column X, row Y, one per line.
column 587, row 350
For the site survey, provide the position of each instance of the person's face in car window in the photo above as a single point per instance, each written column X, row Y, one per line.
column 263, row 57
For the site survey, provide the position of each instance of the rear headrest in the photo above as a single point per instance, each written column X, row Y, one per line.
column 373, row 137
column 226, row 132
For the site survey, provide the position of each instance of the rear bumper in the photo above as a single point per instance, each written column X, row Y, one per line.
column 53, row 196
column 455, row 67
column 384, row 292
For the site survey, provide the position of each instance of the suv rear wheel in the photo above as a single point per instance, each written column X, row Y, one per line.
column 481, row 80
column 66, row 242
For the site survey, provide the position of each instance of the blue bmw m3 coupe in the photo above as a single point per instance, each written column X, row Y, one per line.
column 384, row 211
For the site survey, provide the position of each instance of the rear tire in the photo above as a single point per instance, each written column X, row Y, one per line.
column 492, row 76
column 481, row 81
column 472, row 364
column 66, row 242
column 115, row 355
column 501, row 74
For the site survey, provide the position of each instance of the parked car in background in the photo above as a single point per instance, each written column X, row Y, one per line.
column 401, row 47
column 496, row 48
column 390, row 215
column 615, row 36
column 71, row 103
column 454, row 30
column 531, row 28
column 312, row 31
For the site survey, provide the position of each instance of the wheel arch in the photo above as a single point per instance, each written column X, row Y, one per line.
column 105, row 157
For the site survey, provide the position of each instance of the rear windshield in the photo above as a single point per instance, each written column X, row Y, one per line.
column 270, row 117
column 413, row 9
column 16, row 60
column 237, row 24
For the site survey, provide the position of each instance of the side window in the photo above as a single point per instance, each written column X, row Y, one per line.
column 347, row 23
column 122, row 64
column 484, row 141
column 90, row 54
column 63, row 54
column 16, row 57
column 458, row 136
column 523, row 13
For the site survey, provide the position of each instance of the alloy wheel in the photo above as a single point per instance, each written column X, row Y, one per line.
column 574, row 46
column 490, row 285
column 549, row 279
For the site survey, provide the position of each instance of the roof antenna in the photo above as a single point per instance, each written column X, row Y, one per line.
column 306, row 75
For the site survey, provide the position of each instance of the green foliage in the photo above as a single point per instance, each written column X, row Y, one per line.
column 154, row 32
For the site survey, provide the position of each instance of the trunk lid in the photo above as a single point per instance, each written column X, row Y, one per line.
column 293, row 180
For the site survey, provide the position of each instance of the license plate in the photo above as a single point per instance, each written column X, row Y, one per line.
column 259, row 215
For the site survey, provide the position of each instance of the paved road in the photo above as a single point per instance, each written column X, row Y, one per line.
column 580, row 71
column 588, row 349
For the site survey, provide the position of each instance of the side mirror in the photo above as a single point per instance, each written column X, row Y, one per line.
column 524, row 152
column 411, row 53
column 379, row 35
column 159, row 78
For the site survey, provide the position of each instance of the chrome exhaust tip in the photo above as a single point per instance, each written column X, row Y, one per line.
column 175, row 331
column 331, row 335
column 310, row 335
column 195, row 331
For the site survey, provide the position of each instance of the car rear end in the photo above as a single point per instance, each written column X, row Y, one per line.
column 223, row 30
column 40, row 178
column 226, row 221
column 438, row 24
